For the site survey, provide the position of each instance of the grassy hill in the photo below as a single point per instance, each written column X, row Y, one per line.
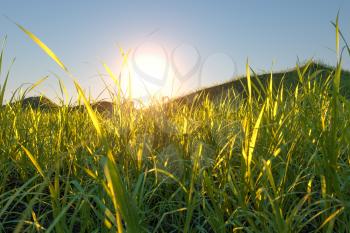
column 260, row 82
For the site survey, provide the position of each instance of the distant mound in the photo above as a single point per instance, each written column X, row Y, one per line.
column 106, row 106
column 103, row 106
column 36, row 102
column 43, row 103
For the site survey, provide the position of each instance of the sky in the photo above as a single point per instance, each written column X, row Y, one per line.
column 175, row 46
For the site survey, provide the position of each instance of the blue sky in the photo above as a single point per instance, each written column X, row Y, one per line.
column 220, row 35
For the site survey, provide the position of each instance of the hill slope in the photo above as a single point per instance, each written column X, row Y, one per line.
column 290, row 78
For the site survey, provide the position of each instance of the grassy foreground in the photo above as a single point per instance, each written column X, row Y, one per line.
column 276, row 160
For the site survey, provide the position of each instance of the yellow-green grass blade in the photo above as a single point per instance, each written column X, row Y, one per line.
column 37, row 83
column 121, row 198
column 249, row 83
column 63, row 90
column 125, row 55
column 34, row 161
column 343, row 38
column 125, row 58
column 2, row 53
column 331, row 218
column 43, row 46
column 91, row 113
column 267, row 166
column 255, row 133
column 171, row 176
column 337, row 35
column 251, row 145
column 115, row 80
column 337, row 77
column 300, row 75
column 3, row 87
column 110, row 73
column 39, row 169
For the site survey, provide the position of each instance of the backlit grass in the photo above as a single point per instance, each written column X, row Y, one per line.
column 272, row 158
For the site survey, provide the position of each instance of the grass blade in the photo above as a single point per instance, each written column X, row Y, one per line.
column 43, row 46
column 91, row 112
column 249, row 83
column 121, row 198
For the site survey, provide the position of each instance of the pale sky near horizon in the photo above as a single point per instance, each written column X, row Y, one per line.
column 208, row 40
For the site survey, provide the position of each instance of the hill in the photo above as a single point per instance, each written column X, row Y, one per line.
column 290, row 78
column 37, row 102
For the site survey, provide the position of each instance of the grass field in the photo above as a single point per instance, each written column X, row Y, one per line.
column 270, row 157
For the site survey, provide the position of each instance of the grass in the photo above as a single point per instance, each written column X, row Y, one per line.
column 271, row 157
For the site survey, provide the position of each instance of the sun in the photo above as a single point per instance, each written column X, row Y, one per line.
column 149, row 68
column 150, row 64
column 150, row 71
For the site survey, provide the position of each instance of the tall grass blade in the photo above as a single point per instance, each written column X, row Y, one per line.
column 43, row 46
column 2, row 53
column 91, row 112
column 249, row 83
column 121, row 198
column 337, row 36
column 34, row 161
column 3, row 87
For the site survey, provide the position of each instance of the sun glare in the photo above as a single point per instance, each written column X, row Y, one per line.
column 147, row 71
column 150, row 71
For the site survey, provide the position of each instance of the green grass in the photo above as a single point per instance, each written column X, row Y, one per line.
column 277, row 161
